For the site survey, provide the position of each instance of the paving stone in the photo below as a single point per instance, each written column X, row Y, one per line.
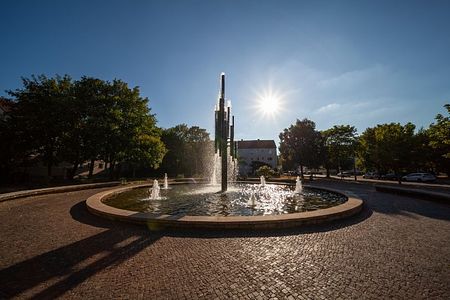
column 396, row 248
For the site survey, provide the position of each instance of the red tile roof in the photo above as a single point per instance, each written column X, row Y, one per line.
column 256, row 144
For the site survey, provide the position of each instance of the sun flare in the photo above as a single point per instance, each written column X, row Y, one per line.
column 269, row 104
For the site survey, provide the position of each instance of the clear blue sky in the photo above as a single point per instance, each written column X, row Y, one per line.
column 335, row 62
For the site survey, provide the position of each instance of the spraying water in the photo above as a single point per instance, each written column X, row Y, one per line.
column 215, row 169
column 263, row 180
column 154, row 191
column 166, row 183
column 298, row 186
column 252, row 201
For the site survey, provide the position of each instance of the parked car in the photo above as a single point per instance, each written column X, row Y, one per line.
column 389, row 176
column 345, row 174
column 371, row 175
column 420, row 177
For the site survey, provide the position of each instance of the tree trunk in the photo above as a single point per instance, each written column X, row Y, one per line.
column 328, row 171
column 91, row 167
column 49, row 168
column 74, row 170
column 49, row 155
column 111, row 169
column 301, row 171
column 118, row 172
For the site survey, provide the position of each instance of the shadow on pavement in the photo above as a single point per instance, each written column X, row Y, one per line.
column 76, row 262
column 387, row 203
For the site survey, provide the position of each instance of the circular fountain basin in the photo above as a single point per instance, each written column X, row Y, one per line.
column 242, row 206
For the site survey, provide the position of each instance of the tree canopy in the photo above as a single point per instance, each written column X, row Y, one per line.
column 439, row 140
column 189, row 151
column 340, row 142
column 385, row 148
column 59, row 119
column 301, row 145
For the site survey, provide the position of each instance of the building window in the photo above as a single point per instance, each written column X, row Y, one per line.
column 269, row 158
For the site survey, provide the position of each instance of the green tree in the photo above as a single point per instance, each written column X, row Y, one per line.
column 39, row 117
column 198, row 151
column 174, row 139
column 127, row 123
column 387, row 147
column 339, row 142
column 189, row 150
column 57, row 119
column 367, row 151
column 83, row 138
column 422, row 154
column 265, row 171
column 302, row 143
column 256, row 165
column 439, row 141
column 11, row 154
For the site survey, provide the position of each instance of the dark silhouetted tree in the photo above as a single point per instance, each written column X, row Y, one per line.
column 339, row 142
column 302, row 143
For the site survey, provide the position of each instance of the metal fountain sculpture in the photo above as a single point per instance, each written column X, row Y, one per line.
column 224, row 133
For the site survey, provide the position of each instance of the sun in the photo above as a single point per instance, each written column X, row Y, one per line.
column 269, row 103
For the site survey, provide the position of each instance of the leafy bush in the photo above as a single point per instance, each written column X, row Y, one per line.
column 265, row 171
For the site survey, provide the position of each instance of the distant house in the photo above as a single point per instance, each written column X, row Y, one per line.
column 253, row 152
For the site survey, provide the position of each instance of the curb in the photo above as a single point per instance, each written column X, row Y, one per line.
column 429, row 195
column 158, row 221
column 55, row 190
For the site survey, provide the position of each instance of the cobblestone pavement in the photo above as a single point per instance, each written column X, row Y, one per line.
column 398, row 247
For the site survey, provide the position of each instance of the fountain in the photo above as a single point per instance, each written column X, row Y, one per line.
column 166, row 183
column 154, row 191
column 241, row 199
column 224, row 144
column 298, row 186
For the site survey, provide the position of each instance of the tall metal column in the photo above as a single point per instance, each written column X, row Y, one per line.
column 223, row 132
column 223, row 138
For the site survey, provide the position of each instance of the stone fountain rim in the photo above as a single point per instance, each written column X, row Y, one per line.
column 352, row 206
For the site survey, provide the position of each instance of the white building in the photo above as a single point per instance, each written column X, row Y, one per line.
column 262, row 151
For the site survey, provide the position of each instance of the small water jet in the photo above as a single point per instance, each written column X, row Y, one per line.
column 215, row 170
column 252, row 200
column 262, row 180
column 154, row 191
column 298, row 186
column 213, row 180
column 166, row 183
column 242, row 199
